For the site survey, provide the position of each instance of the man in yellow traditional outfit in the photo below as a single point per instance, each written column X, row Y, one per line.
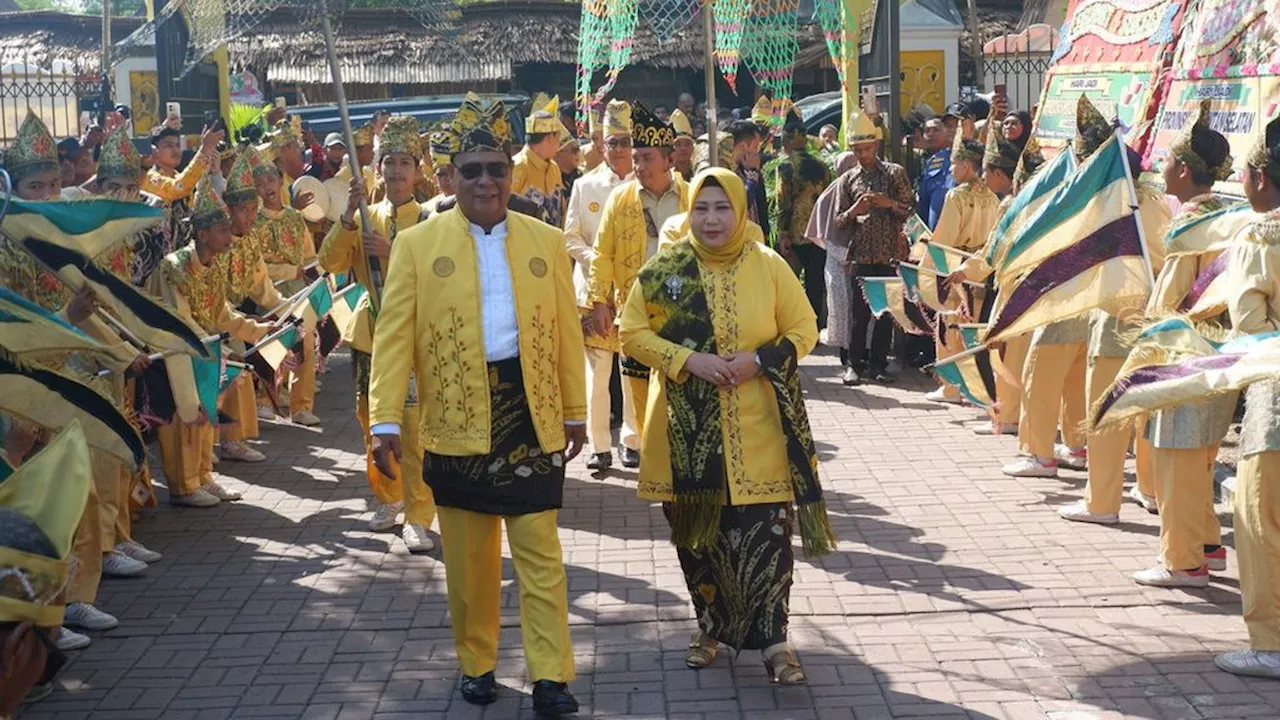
column 346, row 249
column 682, row 150
column 536, row 176
column 479, row 307
column 1053, row 379
column 287, row 248
column 581, row 229
column 630, row 224
column 189, row 282
column 175, row 190
column 968, row 214
column 1253, row 304
column 363, row 138
column 594, row 156
column 1185, row 439
column 42, row 501
column 441, row 168
column 247, row 278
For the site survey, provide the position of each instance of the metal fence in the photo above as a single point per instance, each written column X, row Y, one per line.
column 55, row 92
column 1022, row 74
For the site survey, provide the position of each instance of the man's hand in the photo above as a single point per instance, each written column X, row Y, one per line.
column 209, row 140
column 376, row 245
column 879, row 200
column 355, row 193
column 601, row 319
column 576, row 436
column 303, row 199
column 82, row 305
column 712, row 368
column 386, row 447
column 742, row 366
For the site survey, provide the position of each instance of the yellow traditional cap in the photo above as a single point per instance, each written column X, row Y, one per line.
column 1183, row 149
column 208, row 208
column 33, row 150
column 241, row 187
column 617, row 119
column 41, row 503
column 1092, row 129
column 546, row 119
column 680, row 123
column 1000, row 153
column 1029, row 162
column 566, row 137
column 119, row 157
column 962, row 150
column 1265, row 153
column 440, row 152
column 480, row 125
column 648, row 130
column 595, row 119
column 861, row 129
column 363, row 135
column 400, row 135
column 762, row 111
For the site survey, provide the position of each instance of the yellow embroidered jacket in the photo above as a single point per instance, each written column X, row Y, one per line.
column 621, row 242
column 247, row 276
column 541, row 182
column 753, row 302
column 176, row 187
column 343, row 251
column 430, row 323
column 197, row 292
column 286, row 243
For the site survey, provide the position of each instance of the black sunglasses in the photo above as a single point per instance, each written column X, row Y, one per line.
column 495, row 170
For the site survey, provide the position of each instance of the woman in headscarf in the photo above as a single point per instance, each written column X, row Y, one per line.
column 723, row 321
column 1017, row 128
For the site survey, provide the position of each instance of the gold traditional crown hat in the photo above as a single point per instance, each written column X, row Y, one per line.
column 208, row 208
column 440, row 151
column 617, row 119
column 260, row 163
column 566, row 137
column 119, row 157
column 1092, row 129
column 1000, row 153
column 1028, row 162
column 241, row 187
column 680, row 123
column 545, row 118
column 400, row 135
column 595, row 119
column 762, row 111
column 1182, row 148
column 862, row 129
column 961, row 151
column 648, row 131
column 1265, row 153
column 363, row 135
column 33, row 150
column 41, row 503
column 481, row 125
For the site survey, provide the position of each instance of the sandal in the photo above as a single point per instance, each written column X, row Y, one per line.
column 783, row 665
column 702, row 651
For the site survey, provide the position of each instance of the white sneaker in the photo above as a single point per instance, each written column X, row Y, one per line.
column 384, row 518
column 222, row 493
column 1147, row 502
column 305, row 418
column 1079, row 512
column 940, row 396
column 989, row 428
column 201, row 498
column 240, row 452
column 135, row 550
column 266, row 413
column 1029, row 467
column 1161, row 576
column 1253, row 663
column 1071, row 459
column 71, row 640
column 117, row 564
column 416, row 539
column 217, row 457
column 88, row 617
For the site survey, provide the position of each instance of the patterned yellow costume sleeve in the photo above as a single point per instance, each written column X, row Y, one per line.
column 180, row 186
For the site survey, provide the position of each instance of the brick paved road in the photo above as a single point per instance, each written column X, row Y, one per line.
column 955, row 593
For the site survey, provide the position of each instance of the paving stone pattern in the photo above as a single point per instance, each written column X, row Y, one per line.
column 955, row 593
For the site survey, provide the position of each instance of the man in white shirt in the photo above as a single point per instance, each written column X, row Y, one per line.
column 582, row 222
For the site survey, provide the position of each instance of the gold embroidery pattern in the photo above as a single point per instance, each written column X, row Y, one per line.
column 284, row 237
column 204, row 290
column 721, row 290
column 450, row 368
column 544, row 392
column 24, row 276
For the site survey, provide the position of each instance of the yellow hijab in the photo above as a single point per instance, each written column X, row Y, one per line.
column 737, row 192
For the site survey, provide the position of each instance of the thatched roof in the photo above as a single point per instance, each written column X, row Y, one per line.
column 40, row 37
column 491, row 38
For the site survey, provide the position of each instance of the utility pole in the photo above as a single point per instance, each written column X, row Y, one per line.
column 975, row 48
column 105, row 101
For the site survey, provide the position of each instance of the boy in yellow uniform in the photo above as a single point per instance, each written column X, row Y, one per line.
column 536, row 175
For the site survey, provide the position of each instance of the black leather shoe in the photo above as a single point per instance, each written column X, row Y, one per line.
column 481, row 690
column 600, row 461
column 553, row 699
column 630, row 458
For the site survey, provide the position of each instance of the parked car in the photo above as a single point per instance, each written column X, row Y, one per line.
column 324, row 119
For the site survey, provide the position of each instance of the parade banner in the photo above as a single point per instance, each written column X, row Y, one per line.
column 1123, row 92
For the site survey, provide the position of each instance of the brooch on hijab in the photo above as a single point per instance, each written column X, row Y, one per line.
column 674, row 285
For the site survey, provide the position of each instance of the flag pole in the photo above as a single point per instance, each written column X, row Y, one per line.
column 1133, row 205
column 958, row 356
column 931, row 271
column 957, row 251
column 375, row 267
column 268, row 339
column 292, row 300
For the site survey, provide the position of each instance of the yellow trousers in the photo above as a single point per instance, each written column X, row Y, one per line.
column 473, row 571
column 599, row 406
column 950, row 344
column 186, row 451
column 1257, row 531
column 1007, row 394
column 410, row 488
column 1053, row 394
column 112, row 483
column 1187, row 519
column 635, row 401
column 302, row 382
column 239, row 402
column 87, row 550
column 1107, row 450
